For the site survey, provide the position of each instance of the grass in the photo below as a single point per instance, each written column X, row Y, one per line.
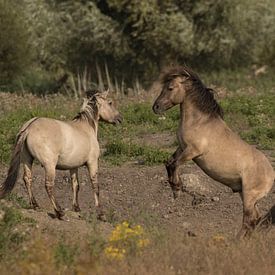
column 118, row 152
column 17, row 200
column 251, row 115
column 10, row 237
column 145, row 253
column 65, row 254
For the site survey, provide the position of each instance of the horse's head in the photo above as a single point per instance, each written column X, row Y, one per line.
column 173, row 92
column 106, row 109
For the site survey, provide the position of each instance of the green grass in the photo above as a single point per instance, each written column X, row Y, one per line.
column 241, row 78
column 17, row 200
column 251, row 116
column 65, row 254
column 118, row 152
column 10, row 238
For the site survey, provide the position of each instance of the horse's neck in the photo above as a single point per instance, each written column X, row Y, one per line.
column 191, row 115
column 85, row 124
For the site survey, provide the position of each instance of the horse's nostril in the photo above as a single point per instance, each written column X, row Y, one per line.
column 156, row 108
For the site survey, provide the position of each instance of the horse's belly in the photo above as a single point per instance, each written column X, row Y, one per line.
column 73, row 159
column 221, row 173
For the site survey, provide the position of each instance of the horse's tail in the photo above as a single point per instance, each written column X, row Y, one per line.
column 10, row 181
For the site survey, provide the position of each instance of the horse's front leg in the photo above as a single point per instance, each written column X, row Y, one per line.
column 93, row 169
column 172, row 172
column 177, row 159
column 75, row 187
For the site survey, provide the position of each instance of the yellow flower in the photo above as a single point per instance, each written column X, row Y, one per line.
column 143, row 243
column 125, row 239
column 219, row 238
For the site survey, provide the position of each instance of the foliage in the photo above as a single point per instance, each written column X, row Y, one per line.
column 10, row 237
column 256, row 116
column 18, row 200
column 65, row 254
column 47, row 34
column 14, row 46
column 90, row 34
column 124, row 240
column 135, row 38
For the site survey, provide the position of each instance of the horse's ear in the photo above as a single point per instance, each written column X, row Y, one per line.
column 104, row 94
column 91, row 94
column 85, row 103
column 186, row 74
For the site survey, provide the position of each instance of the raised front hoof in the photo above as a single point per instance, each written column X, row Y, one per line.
column 76, row 208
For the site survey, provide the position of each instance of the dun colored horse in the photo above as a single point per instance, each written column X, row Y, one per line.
column 205, row 138
column 63, row 145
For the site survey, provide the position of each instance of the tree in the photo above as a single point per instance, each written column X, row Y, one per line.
column 14, row 47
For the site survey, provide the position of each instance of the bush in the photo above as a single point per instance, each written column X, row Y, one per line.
column 14, row 48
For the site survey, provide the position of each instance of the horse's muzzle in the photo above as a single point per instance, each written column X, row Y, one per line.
column 118, row 119
column 157, row 109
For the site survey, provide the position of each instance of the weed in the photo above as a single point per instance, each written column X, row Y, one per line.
column 64, row 254
column 20, row 201
column 10, row 238
column 126, row 240
column 96, row 244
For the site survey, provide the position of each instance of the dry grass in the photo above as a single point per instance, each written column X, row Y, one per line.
column 173, row 255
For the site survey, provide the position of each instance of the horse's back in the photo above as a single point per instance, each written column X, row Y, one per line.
column 59, row 142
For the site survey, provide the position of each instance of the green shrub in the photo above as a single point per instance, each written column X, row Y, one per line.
column 65, row 254
column 15, row 53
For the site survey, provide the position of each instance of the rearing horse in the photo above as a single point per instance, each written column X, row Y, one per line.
column 205, row 138
column 63, row 145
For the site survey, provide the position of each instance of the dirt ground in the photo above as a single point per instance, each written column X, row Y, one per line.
column 141, row 194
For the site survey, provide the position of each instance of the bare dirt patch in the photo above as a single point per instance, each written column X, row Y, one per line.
column 141, row 194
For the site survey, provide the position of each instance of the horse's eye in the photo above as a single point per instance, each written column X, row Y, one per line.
column 170, row 88
column 110, row 103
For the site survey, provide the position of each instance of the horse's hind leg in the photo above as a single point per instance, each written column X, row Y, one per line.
column 251, row 214
column 75, row 186
column 93, row 168
column 27, row 177
column 49, row 184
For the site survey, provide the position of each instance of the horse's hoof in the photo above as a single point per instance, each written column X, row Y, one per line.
column 101, row 217
column 59, row 214
column 76, row 208
column 34, row 206
column 176, row 194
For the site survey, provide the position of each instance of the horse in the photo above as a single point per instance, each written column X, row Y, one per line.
column 62, row 145
column 204, row 137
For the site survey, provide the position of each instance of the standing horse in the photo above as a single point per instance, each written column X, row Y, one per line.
column 205, row 138
column 63, row 145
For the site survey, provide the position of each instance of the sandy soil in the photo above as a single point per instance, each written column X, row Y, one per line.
column 141, row 194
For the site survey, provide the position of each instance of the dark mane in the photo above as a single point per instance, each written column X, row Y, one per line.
column 89, row 110
column 201, row 96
